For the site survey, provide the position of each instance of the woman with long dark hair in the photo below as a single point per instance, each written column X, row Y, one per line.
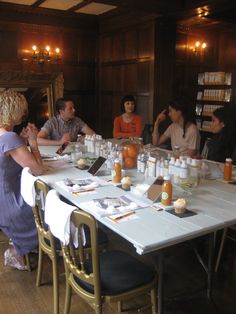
column 222, row 143
column 182, row 132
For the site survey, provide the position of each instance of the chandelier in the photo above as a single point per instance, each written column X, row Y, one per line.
column 45, row 55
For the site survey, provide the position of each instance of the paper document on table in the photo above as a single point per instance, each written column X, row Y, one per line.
column 108, row 206
column 78, row 185
column 49, row 166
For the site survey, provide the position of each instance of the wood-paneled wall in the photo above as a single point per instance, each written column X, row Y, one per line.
column 79, row 50
column 126, row 67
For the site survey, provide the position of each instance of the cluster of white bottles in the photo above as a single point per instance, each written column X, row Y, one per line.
column 93, row 143
column 183, row 171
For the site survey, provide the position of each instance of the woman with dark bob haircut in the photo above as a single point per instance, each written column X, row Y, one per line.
column 221, row 144
column 182, row 132
column 127, row 124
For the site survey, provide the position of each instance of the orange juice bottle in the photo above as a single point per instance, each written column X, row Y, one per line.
column 166, row 191
column 116, row 172
column 228, row 169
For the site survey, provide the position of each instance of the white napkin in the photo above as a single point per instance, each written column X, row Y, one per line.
column 27, row 186
column 77, row 187
column 57, row 216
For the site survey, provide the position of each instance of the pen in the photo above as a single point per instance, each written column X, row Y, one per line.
column 123, row 216
column 82, row 191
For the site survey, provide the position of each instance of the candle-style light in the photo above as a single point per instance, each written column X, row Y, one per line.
column 43, row 55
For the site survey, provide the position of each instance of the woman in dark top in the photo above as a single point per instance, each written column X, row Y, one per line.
column 221, row 144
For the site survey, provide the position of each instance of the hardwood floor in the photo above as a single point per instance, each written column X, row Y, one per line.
column 185, row 284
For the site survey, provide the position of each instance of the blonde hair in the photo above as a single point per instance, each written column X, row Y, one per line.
column 13, row 106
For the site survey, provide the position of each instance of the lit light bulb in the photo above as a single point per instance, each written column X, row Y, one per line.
column 197, row 44
column 57, row 50
column 47, row 48
column 34, row 48
column 204, row 45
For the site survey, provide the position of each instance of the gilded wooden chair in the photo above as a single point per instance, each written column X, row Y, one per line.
column 111, row 276
column 47, row 243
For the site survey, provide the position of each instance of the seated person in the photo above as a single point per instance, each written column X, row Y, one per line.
column 221, row 145
column 64, row 127
column 128, row 124
column 16, row 217
column 182, row 132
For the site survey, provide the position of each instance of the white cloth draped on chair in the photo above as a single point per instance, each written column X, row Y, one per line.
column 57, row 216
column 27, row 186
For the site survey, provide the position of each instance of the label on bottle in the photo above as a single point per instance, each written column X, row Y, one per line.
column 164, row 196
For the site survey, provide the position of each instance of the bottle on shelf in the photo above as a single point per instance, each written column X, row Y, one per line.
column 166, row 192
column 116, row 172
column 228, row 169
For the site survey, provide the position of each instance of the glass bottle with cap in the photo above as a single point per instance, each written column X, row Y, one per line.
column 166, row 192
column 116, row 171
column 228, row 169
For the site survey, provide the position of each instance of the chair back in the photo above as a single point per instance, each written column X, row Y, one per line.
column 46, row 239
column 81, row 268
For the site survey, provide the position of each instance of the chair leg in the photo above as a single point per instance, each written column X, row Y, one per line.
column 27, row 261
column 67, row 298
column 119, row 303
column 55, row 285
column 154, row 301
column 40, row 265
column 220, row 249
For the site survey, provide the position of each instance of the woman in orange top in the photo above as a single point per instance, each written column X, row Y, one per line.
column 128, row 124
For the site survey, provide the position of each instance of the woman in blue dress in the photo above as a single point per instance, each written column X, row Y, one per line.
column 16, row 217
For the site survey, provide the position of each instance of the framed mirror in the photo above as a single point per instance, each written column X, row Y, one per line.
column 40, row 89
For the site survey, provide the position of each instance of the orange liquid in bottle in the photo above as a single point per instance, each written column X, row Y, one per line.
column 116, row 172
column 166, row 195
column 228, row 169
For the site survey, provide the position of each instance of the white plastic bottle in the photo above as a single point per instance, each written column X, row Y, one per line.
column 194, row 173
column 176, row 171
column 158, row 168
column 171, row 167
column 151, row 166
column 183, row 174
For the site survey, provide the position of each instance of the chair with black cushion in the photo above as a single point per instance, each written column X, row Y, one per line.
column 111, row 276
column 51, row 246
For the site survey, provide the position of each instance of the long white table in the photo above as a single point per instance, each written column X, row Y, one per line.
column 213, row 201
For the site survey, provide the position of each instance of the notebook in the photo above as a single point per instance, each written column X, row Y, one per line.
column 96, row 166
column 154, row 191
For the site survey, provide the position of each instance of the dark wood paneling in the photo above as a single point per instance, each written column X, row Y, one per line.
column 128, row 70
column 8, row 44
column 145, row 41
column 131, row 44
column 118, row 46
column 106, row 48
column 131, row 78
column 117, row 76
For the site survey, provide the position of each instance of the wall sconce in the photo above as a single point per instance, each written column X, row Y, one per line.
column 199, row 48
column 43, row 55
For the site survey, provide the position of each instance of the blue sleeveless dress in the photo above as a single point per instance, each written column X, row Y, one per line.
column 16, row 217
